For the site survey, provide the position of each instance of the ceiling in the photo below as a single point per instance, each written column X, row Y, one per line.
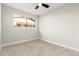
column 30, row 7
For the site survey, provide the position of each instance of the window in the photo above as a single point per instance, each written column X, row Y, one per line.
column 23, row 22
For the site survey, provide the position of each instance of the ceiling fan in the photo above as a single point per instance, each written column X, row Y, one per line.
column 42, row 4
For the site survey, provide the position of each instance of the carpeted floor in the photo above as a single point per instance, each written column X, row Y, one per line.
column 37, row 48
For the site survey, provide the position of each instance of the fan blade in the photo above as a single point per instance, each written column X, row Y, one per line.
column 37, row 7
column 45, row 5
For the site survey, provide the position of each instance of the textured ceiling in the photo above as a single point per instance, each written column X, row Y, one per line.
column 30, row 7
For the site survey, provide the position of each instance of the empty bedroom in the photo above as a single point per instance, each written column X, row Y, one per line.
column 39, row 29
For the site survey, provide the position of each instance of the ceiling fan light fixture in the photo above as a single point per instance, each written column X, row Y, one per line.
column 40, row 4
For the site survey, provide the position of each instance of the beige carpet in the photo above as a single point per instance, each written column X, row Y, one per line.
column 37, row 48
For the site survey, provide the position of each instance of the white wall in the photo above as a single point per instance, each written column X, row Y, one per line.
column 61, row 26
column 12, row 34
column 0, row 26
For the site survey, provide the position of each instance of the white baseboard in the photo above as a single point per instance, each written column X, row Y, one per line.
column 74, row 49
column 18, row 42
